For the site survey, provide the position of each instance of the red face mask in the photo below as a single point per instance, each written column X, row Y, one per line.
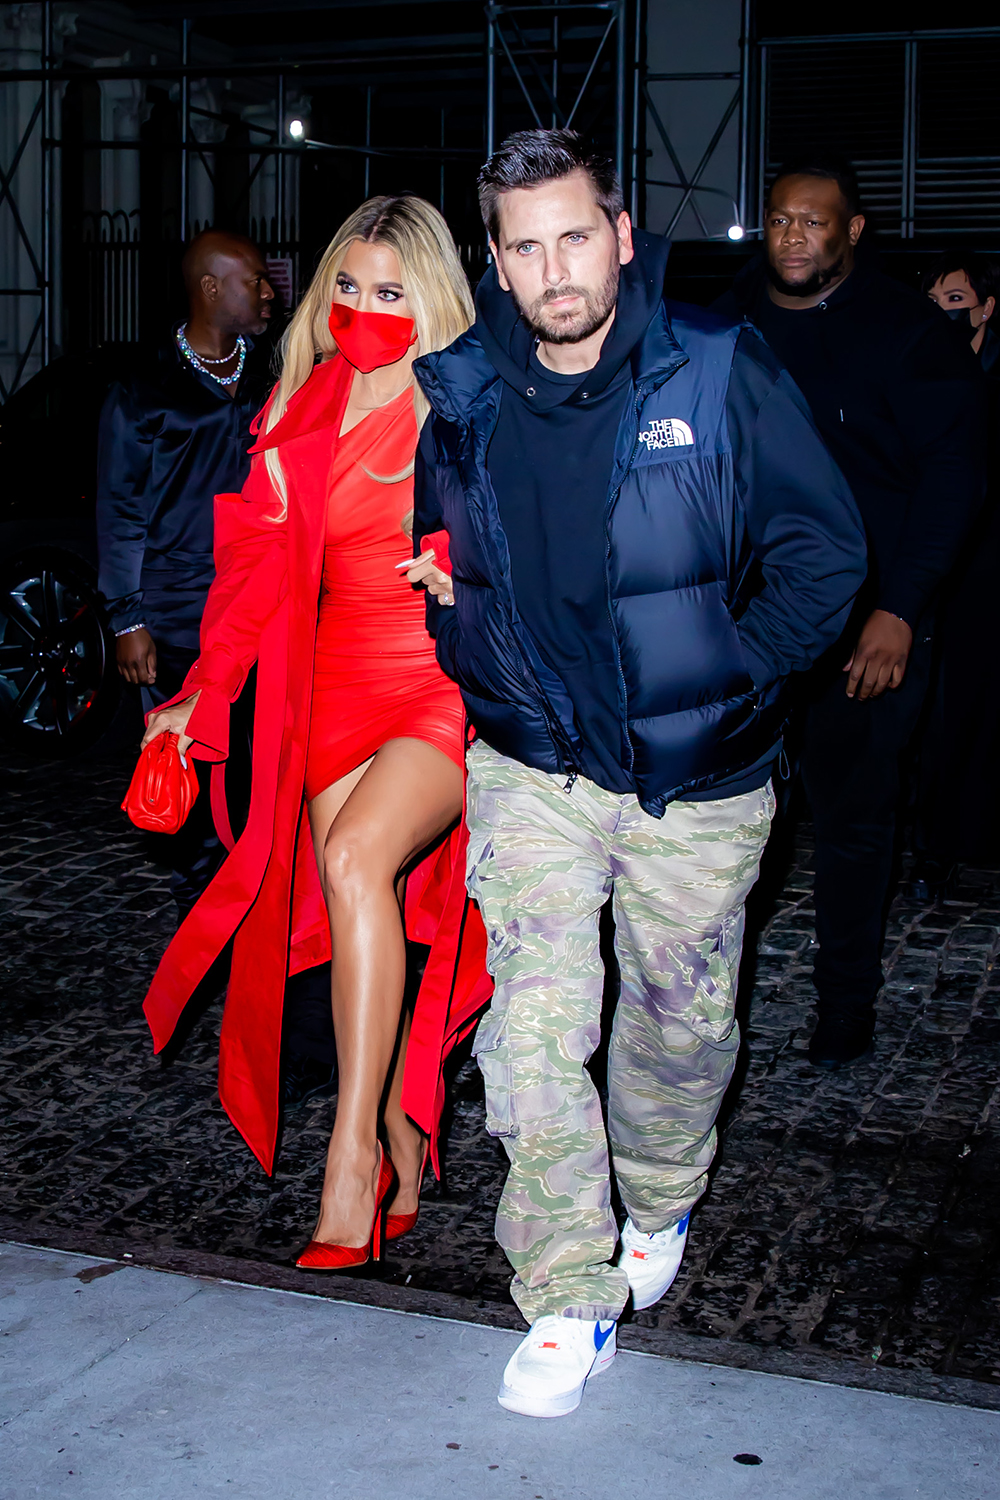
column 369, row 340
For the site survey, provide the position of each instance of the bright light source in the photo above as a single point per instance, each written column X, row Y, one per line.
column 735, row 231
column 297, row 129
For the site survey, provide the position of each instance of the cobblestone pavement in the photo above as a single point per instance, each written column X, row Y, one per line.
column 852, row 1216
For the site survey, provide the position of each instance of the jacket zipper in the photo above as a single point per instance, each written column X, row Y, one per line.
column 528, row 676
column 612, row 501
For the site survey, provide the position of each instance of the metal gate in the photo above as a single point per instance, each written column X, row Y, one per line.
column 920, row 121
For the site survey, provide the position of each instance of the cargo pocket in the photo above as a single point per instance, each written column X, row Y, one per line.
column 491, row 1050
column 713, row 1004
column 489, row 889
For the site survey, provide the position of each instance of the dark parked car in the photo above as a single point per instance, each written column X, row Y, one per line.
column 59, row 687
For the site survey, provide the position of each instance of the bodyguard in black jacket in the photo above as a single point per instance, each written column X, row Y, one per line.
column 172, row 437
column 901, row 405
column 646, row 536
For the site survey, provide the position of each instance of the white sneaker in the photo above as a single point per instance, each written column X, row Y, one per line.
column 651, row 1261
column 548, row 1370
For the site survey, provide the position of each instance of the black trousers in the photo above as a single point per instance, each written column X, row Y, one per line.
column 957, row 813
column 851, row 760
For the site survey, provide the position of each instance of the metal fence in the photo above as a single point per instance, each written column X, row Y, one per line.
column 110, row 243
column 918, row 113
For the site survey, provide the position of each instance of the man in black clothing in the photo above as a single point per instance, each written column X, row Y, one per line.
column 173, row 437
column 900, row 405
column 646, row 535
column 957, row 816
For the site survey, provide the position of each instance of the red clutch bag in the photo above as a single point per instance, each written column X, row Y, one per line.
column 163, row 789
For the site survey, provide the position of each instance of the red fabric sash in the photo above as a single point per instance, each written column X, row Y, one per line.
column 314, row 405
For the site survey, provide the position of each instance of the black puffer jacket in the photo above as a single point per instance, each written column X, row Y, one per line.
column 699, row 669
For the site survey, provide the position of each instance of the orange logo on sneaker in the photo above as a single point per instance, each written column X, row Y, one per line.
column 548, row 1345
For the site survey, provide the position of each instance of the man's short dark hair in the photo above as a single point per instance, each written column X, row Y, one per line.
column 982, row 271
column 820, row 164
column 530, row 157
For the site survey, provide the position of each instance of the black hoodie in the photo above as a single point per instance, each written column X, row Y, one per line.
column 550, row 461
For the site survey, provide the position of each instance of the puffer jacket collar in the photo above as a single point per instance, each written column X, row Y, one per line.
column 457, row 380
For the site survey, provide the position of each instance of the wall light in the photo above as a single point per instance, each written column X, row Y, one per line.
column 297, row 129
column 735, row 232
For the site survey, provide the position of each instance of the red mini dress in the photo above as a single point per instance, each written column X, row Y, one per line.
column 376, row 677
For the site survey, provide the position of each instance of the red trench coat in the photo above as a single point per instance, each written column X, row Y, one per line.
column 263, row 608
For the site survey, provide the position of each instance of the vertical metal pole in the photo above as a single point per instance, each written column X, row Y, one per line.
column 910, row 116
column 746, row 84
column 555, row 68
column 185, row 115
column 762, row 88
column 491, row 82
column 279, row 169
column 368, row 139
column 620, row 90
column 638, row 156
column 46, row 287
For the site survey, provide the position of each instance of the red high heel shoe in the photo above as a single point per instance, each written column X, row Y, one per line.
column 399, row 1224
column 321, row 1256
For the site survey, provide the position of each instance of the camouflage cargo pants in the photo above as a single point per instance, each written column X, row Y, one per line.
column 542, row 862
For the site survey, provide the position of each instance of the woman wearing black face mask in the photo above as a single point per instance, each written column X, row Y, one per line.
column 964, row 285
column 957, row 816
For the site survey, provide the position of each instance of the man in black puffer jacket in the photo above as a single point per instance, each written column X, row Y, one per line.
column 646, row 536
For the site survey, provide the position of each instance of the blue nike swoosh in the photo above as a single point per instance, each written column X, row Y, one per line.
column 600, row 1339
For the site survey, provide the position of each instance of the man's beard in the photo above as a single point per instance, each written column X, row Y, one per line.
column 816, row 282
column 597, row 309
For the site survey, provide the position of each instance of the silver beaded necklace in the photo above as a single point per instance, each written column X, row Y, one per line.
column 201, row 361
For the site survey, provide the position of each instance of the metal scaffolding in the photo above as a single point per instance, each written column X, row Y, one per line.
column 27, row 268
column 30, row 204
column 653, row 88
column 566, row 63
column 532, row 45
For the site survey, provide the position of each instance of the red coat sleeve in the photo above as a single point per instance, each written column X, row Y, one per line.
column 251, row 581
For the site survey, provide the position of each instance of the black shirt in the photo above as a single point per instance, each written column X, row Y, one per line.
column 170, row 441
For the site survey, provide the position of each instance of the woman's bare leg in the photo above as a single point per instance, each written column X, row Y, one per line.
column 364, row 834
column 406, row 1142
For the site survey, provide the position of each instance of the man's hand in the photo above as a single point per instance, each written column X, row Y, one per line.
column 135, row 654
column 880, row 657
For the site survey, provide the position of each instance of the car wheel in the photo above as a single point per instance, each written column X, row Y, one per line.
column 59, row 685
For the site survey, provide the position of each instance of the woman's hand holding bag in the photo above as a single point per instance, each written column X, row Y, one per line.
column 163, row 790
column 165, row 784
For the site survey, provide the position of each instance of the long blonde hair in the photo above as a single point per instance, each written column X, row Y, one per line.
column 436, row 290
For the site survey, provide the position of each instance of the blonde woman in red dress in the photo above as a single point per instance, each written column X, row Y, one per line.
column 358, row 779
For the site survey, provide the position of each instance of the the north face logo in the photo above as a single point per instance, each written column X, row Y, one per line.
column 667, row 432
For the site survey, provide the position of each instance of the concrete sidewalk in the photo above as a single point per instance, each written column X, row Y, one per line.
column 119, row 1382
